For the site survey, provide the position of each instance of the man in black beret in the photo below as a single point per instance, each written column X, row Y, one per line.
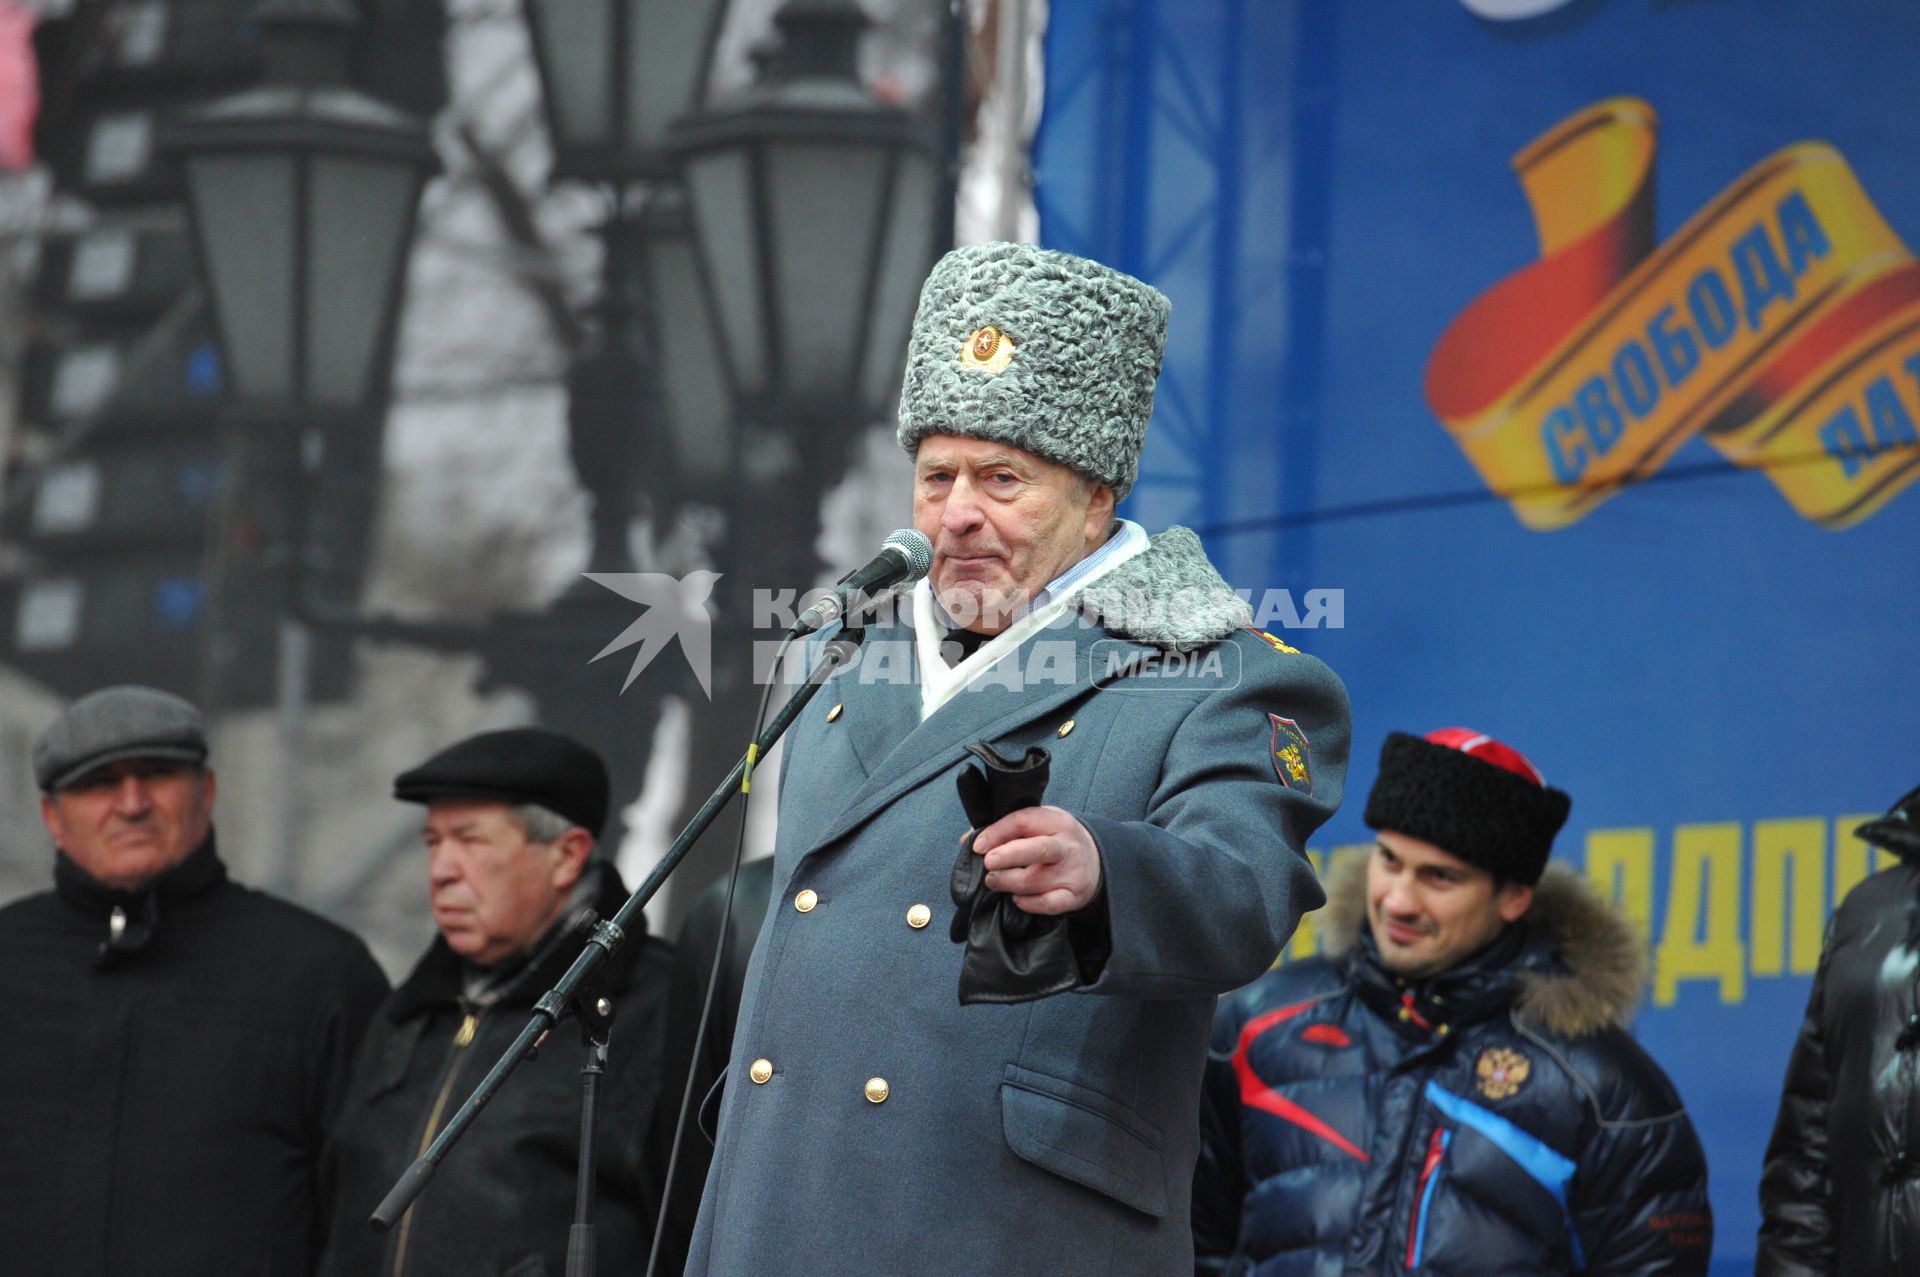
column 1451, row 1088
column 172, row 1045
column 511, row 823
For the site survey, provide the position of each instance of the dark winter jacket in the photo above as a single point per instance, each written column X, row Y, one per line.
column 164, row 1100
column 501, row 1203
column 1840, row 1193
column 1496, row 1118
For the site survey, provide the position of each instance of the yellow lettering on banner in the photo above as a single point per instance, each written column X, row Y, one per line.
column 1851, row 856
column 1306, row 936
column 1620, row 866
column 1779, row 325
column 1701, row 939
column 1780, row 848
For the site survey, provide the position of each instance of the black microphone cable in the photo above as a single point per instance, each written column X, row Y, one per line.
column 719, row 955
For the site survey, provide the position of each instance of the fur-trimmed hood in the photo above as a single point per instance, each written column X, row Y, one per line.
column 1603, row 960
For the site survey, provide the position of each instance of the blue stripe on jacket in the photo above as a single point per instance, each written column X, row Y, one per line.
column 1550, row 1169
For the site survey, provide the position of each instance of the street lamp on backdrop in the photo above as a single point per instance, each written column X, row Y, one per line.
column 690, row 366
column 302, row 194
column 613, row 74
column 816, row 206
column 816, row 209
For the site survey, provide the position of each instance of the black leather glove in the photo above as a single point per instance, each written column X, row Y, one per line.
column 1012, row 955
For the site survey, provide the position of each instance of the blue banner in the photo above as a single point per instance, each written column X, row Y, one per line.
column 1573, row 356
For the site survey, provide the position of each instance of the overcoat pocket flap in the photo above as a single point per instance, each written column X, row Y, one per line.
column 1083, row 1136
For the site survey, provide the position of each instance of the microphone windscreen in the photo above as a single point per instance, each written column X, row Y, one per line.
column 914, row 544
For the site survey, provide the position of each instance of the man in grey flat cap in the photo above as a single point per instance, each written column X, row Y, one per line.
column 1015, row 1090
column 511, row 822
column 175, row 1044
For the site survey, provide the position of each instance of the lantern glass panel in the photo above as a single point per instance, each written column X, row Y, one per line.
column 141, row 32
column 666, row 48
column 48, row 615
column 824, row 213
column 721, row 188
column 245, row 201
column 688, row 357
column 68, row 499
column 904, row 259
column 360, row 213
column 576, row 37
column 102, row 266
column 84, row 379
column 119, row 147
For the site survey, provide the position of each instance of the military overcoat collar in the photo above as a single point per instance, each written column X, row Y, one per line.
column 900, row 752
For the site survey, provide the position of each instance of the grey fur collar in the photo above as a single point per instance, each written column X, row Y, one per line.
column 1168, row 595
column 1606, row 959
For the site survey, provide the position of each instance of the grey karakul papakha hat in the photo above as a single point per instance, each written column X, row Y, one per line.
column 1049, row 352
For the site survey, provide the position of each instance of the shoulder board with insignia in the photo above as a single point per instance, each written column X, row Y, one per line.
column 1272, row 642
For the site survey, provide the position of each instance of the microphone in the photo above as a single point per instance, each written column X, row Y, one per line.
column 904, row 557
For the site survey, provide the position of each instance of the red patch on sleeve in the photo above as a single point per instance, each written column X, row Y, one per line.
column 1326, row 1035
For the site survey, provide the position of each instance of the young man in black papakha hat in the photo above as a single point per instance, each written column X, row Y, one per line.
column 512, row 819
column 1451, row 1089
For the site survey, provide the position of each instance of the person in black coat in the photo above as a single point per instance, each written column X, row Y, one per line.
column 511, row 821
column 1840, row 1191
column 173, row 1045
column 1451, row 1088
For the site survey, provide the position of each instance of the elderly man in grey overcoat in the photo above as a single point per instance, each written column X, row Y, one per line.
column 894, row 1102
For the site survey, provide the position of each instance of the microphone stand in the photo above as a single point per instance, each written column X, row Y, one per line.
column 596, row 1023
column 565, row 998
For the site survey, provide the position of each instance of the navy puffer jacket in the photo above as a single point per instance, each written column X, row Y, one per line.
column 1495, row 1119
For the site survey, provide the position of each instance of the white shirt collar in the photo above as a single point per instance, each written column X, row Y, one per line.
column 939, row 682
